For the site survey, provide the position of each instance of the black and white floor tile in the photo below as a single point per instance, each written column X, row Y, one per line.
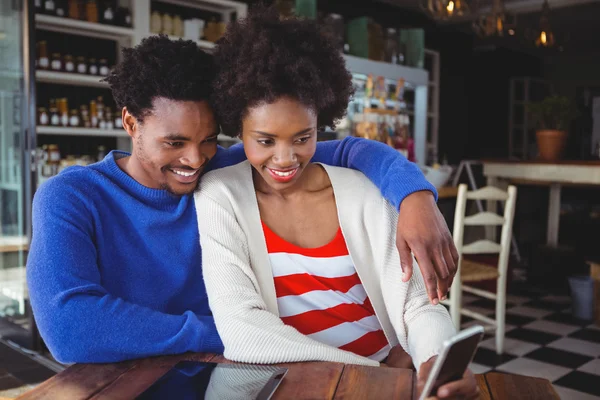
column 542, row 340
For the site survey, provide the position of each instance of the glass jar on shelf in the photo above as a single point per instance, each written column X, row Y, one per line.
column 69, row 64
column 82, row 67
column 56, row 62
column 92, row 67
column 74, row 119
column 49, row 7
column 54, row 117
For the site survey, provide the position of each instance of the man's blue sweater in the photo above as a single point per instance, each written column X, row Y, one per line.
column 114, row 268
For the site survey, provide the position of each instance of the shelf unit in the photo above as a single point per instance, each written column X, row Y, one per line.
column 81, row 28
column 69, row 131
column 67, row 78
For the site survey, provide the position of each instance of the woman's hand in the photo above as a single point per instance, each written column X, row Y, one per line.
column 398, row 358
column 466, row 388
column 423, row 230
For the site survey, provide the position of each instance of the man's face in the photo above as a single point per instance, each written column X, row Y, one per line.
column 173, row 145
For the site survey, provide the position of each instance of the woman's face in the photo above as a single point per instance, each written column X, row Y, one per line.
column 280, row 139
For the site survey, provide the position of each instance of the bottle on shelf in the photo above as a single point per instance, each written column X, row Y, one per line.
column 100, row 112
column 85, row 116
column 103, row 67
column 75, row 9
column 101, row 153
column 93, row 114
column 49, row 7
column 74, row 119
column 60, row 8
column 92, row 67
column 56, row 63
column 63, row 110
column 54, row 117
column 167, row 24
column 110, row 122
column 81, row 65
column 177, row 26
column 69, row 64
column 156, row 22
column 43, row 117
column 108, row 13
column 53, row 159
column 43, row 60
column 91, row 11
column 118, row 119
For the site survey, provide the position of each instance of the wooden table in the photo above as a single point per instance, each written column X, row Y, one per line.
column 539, row 172
column 310, row 380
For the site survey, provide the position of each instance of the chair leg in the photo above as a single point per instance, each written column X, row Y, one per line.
column 500, row 320
column 456, row 301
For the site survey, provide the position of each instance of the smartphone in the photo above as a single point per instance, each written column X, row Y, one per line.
column 453, row 360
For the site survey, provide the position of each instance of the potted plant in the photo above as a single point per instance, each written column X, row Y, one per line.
column 552, row 117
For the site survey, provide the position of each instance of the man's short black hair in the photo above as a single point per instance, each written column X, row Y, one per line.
column 262, row 58
column 160, row 67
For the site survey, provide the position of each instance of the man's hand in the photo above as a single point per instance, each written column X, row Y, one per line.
column 423, row 230
column 466, row 388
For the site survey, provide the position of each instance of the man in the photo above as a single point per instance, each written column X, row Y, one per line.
column 114, row 269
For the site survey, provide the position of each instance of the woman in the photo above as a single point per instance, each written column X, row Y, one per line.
column 299, row 259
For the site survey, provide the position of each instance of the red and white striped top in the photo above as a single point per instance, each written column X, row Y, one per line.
column 320, row 294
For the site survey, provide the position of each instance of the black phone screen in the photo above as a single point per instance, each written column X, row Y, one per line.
column 189, row 380
column 457, row 361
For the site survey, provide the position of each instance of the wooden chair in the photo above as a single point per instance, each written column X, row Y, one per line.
column 469, row 271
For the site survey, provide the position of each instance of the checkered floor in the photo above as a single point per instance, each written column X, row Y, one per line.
column 543, row 340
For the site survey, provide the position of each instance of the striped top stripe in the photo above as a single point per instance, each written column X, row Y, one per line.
column 320, row 294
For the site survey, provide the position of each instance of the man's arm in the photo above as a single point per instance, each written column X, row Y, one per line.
column 422, row 229
column 77, row 318
column 389, row 170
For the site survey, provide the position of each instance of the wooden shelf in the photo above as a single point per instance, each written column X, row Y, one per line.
column 67, row 78
column 81, row 28
column 66, row 131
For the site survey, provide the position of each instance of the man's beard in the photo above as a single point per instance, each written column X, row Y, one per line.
column 165, row 186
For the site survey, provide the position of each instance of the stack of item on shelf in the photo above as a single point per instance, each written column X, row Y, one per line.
column 68, row 63
column 96, row 116
column 383, row 116
column 49, row 162
column 363, row 37
column 192, row 28
column 101, row 11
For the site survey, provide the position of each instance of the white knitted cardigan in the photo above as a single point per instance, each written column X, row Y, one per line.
column 239, row 281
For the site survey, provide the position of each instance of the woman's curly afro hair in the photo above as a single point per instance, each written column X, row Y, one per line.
column 160, row 67
column 262, row 58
